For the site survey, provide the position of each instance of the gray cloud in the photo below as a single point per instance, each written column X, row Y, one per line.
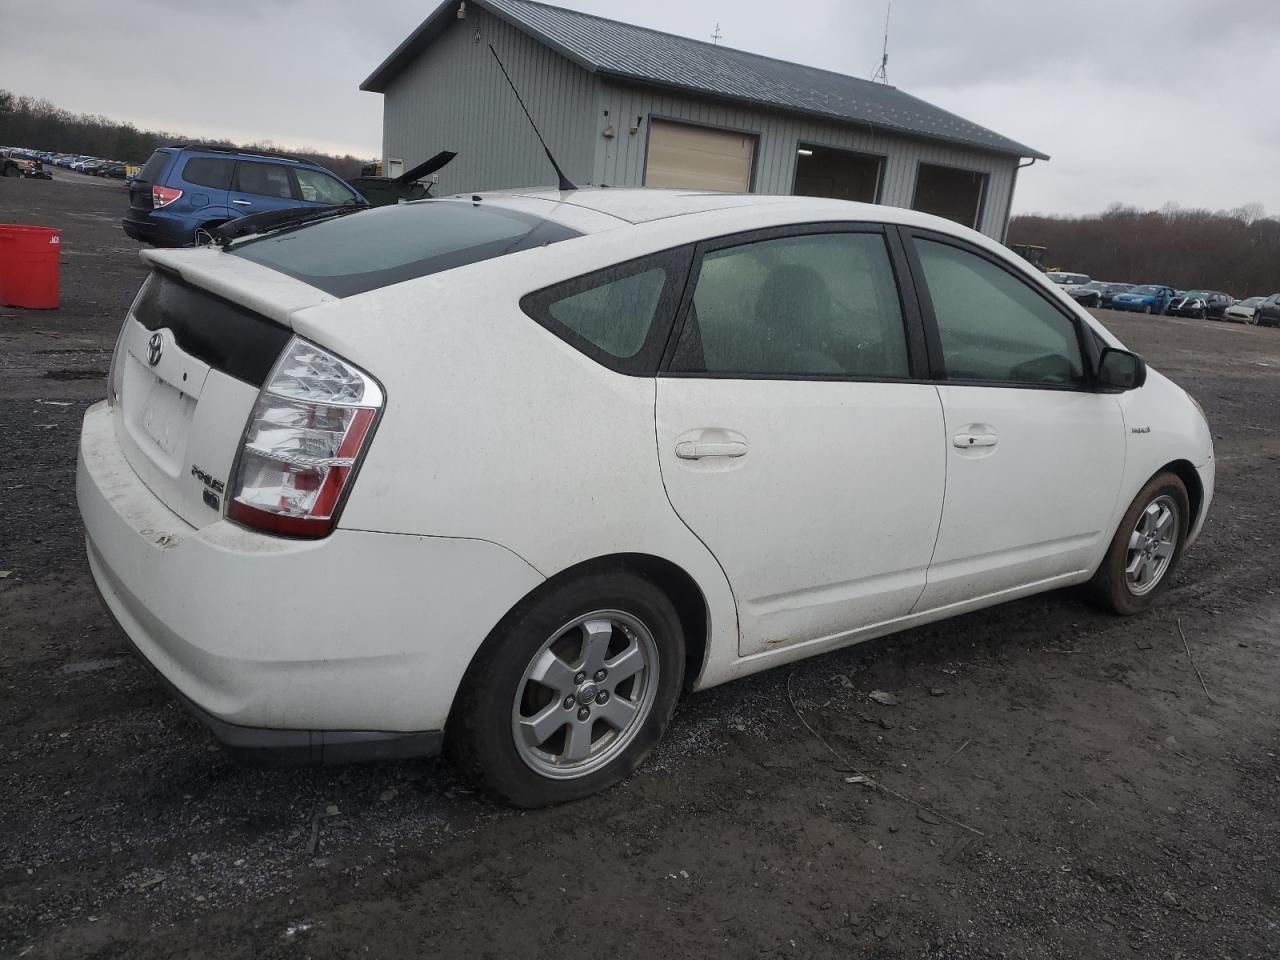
column 1139, row 101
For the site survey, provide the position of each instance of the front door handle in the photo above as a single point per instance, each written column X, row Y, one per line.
column 966, row 440
column 698, row 449
column 243, row 203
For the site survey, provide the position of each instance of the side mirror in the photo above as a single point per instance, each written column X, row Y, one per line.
column 1120, row 370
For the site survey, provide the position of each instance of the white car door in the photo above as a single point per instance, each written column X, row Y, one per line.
column 1035, row 456
column 790, row 437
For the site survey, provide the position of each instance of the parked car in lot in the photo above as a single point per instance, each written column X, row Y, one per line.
column 1245, row 311
column 17, row 164
column 1063, row 279
column 1267, row 313
column 1096, row 293
column 512, row 472
column 1076, row 285
column 1110, row 290
column 1145, row 298
column 1202, row 304
column 184, row 192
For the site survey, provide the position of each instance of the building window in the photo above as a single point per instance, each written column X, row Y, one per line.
column 838, row 174
column 950, row 192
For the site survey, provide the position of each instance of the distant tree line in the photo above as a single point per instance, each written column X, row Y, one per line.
column 1237, row 251
column 40, row 125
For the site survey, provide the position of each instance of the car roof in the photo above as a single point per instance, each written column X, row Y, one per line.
column 634, row 204
column 638, row 205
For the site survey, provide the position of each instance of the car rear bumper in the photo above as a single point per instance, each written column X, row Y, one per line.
column 346, row 648
column 154, row 227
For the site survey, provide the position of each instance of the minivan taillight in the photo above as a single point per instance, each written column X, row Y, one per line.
column 163, row 196
column 312, row 422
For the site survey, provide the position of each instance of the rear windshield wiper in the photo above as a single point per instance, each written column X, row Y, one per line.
column 275, row 221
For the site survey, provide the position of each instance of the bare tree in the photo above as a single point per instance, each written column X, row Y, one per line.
column 1236, row 251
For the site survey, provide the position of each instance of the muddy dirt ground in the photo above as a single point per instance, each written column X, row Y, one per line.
column 1114, row 809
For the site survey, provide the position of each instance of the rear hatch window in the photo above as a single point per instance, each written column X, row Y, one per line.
column 140, row 189
column 377, row 248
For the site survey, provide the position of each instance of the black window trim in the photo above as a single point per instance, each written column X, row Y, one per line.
column 645, row 362
column 908, row 304
column 1089, row 351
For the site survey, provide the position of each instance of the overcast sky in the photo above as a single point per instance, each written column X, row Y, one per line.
column 1137, row 101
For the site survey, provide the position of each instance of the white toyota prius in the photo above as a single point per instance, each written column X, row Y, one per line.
column 507, row 473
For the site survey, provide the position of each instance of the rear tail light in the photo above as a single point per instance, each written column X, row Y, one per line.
column 163, row 196
column 312, row 422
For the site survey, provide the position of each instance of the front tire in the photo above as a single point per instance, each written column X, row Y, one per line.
column 1146, row 548
column 570, row 691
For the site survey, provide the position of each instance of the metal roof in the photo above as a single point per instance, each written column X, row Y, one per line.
column 628, row 52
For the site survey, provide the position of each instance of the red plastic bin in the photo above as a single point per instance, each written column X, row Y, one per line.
column 29, row 261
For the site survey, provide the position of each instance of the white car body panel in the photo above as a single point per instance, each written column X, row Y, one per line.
column 1034, row 505
column 374, row 617
column 505, row 457
column 827, row 523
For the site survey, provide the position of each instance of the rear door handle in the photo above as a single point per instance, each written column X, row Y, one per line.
column 698, row 449
column 966, row 440
column 243, row 203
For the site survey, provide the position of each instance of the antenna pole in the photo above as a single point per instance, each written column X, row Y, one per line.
column 715, row 37
column 882, row 72
column 565, row 182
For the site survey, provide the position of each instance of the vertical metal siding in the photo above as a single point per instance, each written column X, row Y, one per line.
column 455, row 98
column 620, row 161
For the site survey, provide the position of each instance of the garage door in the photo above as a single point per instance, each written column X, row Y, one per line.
column 698, row 158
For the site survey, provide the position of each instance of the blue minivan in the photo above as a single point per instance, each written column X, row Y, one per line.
column 184, row 191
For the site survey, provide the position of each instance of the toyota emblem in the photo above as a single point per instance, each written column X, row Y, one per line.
column 154, row 348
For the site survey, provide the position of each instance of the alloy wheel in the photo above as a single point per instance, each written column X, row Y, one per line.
column 1151, row 545
column 585, row 695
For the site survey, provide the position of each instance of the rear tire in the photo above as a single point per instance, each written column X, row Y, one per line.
column 539, row 719
column 1146, row 548
column 12, row 172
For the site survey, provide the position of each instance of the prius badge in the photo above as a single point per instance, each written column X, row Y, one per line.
column 155, row 346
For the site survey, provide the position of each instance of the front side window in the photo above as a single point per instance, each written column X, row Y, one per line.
column 810, row 305
column 321, row 188
column 993, row 326
column 263, row 179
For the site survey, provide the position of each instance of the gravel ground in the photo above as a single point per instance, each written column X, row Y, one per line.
column 1109, row 807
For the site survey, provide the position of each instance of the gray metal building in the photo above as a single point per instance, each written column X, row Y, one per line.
column 624, row 106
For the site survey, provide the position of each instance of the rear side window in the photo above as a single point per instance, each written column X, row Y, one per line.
column 319, row 187
column 263, row 179
column 154, row 166
column 620, row 316
column 993, row 326
column 376, row 248
column 823, row 304
column 209, row 172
